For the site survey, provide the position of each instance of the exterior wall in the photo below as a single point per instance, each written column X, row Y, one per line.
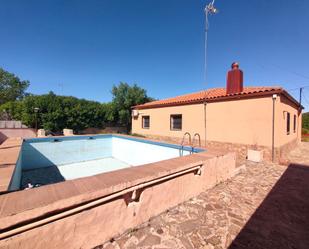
column 246, row 121
column 192, row 121
column 283, row 106
column 243, row 121
column 230, row 125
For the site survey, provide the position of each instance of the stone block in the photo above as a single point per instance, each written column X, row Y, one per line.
column 41, row 133
column 255, row 155
column 68, row 132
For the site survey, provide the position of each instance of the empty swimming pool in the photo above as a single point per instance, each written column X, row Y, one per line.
column 50, row 160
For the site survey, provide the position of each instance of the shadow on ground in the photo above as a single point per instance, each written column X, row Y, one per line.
column 3, row 137
column 282, row 220
column 41, row 176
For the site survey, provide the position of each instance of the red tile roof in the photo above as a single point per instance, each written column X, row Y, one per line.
column 213, row 94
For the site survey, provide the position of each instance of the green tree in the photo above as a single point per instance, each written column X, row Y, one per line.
column 124, row 97
column 11, row 110
column 305, row 118
column 58, row 112
column 11, row 87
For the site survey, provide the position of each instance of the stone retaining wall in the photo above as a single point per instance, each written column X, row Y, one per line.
column 239, row 149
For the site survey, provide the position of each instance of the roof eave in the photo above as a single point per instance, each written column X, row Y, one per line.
column 292, row 99
column 217, row 99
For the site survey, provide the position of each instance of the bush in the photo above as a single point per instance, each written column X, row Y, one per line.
column 58, row 112
column 305, row 120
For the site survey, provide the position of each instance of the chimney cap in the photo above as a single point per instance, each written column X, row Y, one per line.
column 235, row 65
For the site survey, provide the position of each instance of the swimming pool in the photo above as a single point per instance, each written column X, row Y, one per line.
column 50, row 160
column 86, row 211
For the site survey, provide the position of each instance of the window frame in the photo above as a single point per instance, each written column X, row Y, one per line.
column 172, row 116
column 288, row 123
column 294, row 123
column 143, row 124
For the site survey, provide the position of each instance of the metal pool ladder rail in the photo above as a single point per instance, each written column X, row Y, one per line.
column 199, row 141
column 183, row 141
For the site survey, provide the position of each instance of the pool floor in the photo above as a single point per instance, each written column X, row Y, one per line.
column 54, row 174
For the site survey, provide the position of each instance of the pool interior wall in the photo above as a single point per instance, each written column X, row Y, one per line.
column 57, row 159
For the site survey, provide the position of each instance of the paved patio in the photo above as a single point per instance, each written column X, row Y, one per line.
column 266, row 206
column 300, row 155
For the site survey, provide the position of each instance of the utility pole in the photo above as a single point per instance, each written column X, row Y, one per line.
column 300, row 94
column 36, row 110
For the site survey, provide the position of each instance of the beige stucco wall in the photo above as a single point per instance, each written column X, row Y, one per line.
column 246, row 121
column 242, row 121
column 283, row 106
column 192, row 120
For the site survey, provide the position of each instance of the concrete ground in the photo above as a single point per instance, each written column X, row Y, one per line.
column 266, row 206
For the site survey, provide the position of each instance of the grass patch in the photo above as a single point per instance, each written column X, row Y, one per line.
column 305, row 138
column 137, row 135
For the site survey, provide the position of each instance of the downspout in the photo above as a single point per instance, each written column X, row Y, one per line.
column 205, row 125
column 273, row 130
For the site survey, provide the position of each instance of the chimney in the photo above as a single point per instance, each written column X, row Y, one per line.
column 234, row 83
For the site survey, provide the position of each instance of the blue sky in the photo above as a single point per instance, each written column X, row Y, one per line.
column 82, row 48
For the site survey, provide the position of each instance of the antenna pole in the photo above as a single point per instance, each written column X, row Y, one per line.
column 210, row 9
column 205, row 45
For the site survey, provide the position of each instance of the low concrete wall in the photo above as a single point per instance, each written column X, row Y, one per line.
column 106, row 130
column 15, row 132
column 93, row 226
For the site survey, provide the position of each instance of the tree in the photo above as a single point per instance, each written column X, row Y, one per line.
column 124, row 97
column 306, row 121
column 11, row 110
column 11, row 87
column 57, row 112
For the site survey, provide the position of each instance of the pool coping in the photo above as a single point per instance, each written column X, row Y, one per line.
column 37, row 202
column 21, row 206
column 9, row 154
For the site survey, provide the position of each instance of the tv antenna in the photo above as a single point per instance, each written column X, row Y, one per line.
column 210, row 9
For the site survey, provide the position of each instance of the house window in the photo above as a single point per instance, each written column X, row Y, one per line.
column 176, row 122
column 294, row 124
column 288, row 123
column 145, row 122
